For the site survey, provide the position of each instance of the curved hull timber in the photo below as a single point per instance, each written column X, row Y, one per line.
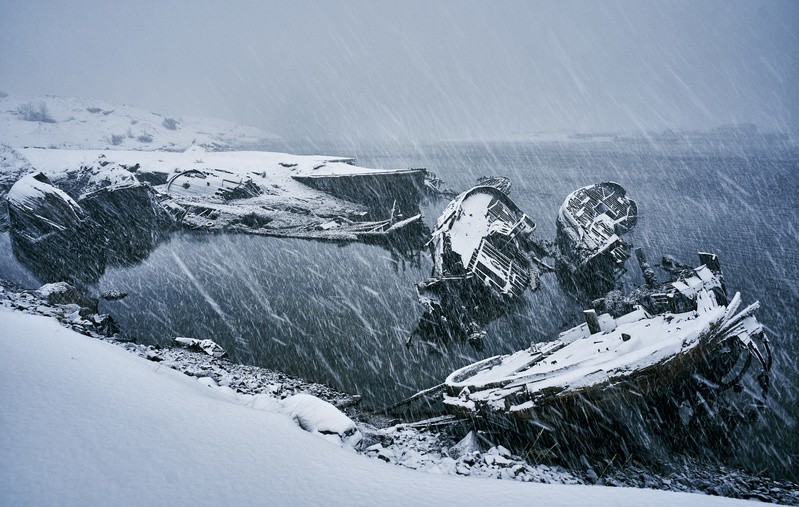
column 590, row 224
column 607, row 364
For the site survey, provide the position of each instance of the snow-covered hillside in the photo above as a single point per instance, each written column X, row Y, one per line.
column 79, row 123
column 86, row 423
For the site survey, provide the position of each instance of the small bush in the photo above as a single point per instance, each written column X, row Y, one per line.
column 93, row 110
column 170, row 123
column 35, row 112
column 116, row 140
column 145, row 138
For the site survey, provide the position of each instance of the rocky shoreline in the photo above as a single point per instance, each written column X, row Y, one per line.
column 438, row 445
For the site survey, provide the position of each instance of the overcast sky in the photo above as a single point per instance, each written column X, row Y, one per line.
column 405, row 71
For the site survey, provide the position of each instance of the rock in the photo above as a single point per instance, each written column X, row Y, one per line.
column 104, row 324
column 467, row 445
column 153, row 356
column 130, row 218
column 62, row 293
column 113, row 295
column 210, row 347
column 463, row 469
column 322, row 418
column 51, row 234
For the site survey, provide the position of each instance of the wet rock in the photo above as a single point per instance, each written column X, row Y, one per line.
column 210, row 347
column 62, row 293
column 52, row 234
column 131, row 220
column 113, row 295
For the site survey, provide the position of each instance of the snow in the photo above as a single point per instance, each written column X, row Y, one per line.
column 321, row 418
column 470, row 225
column 80, row 123
column 86, row 423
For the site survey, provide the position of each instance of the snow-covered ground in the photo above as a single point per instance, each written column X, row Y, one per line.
column 79, row 123
column 86, row 423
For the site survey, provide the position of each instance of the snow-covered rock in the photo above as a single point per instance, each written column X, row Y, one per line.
column 210, row 347
column 51, row 233
column 467, row 445
column 321, row 418
column 62, row 293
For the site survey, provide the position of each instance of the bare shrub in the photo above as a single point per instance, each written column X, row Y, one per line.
column 93, row 110
column 145, row 138
column 35, row 112
column 116, row 139
column 170, row 123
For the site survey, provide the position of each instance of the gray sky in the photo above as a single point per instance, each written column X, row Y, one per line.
column 409, row 71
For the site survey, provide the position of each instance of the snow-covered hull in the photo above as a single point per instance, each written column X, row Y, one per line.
column 480, row 261
column 595, row 375
column 590, row 224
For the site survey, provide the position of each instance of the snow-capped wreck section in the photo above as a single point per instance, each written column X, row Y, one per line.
column 590, row 224
column 122, row 203
column 481, row 263
column 677, row 363
column 256, row 192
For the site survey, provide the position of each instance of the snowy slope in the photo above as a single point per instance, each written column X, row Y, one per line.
column 78, row 123
column 86, row 423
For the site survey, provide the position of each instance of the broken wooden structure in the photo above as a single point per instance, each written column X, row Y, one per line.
column 590, row 226
column 480, row 263
column 674, row 358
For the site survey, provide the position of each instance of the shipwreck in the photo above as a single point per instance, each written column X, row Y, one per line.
column 590, row 226
column 673, row 357
column 485, row 255
column 102, row 208
column 481, row 262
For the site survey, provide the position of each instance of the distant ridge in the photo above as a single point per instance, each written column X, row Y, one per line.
column 80, row 123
